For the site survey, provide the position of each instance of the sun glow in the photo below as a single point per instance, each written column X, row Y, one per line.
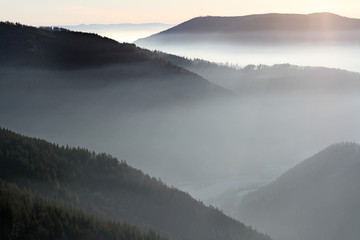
column 111, row 11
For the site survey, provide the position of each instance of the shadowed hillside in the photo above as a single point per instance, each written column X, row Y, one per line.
column 61, row 49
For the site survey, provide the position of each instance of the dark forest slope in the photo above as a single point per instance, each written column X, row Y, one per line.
column 60, row 48
column 24, row 215
column 102, row 185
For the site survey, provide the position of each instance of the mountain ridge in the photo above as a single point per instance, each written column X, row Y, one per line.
column 261, row 28
column 268, row 22
column 62, row 52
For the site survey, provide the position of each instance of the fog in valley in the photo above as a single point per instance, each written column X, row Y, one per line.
column 205, row 146
column 282, row 114
column 318, row 39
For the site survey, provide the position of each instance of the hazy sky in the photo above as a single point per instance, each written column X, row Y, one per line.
column 71, row 12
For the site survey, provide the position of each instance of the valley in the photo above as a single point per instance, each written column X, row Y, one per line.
column 209, row 120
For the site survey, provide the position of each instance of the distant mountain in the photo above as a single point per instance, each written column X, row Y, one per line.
column 267, row 22
column 262, row 28
column 100, row 185
column 317, row 199
column 263, row 79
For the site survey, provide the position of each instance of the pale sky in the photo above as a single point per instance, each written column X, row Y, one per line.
column 73, row 12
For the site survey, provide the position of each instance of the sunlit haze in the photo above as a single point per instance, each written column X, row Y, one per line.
column 74, row 12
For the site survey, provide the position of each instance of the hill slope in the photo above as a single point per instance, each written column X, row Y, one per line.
column 112, row 190
column 60, row 51
column 60, row 48
column 261, row 28
column 317, row 199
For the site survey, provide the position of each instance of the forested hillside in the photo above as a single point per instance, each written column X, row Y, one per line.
column 101, row 185
column 62, row 49
column 25, row 215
